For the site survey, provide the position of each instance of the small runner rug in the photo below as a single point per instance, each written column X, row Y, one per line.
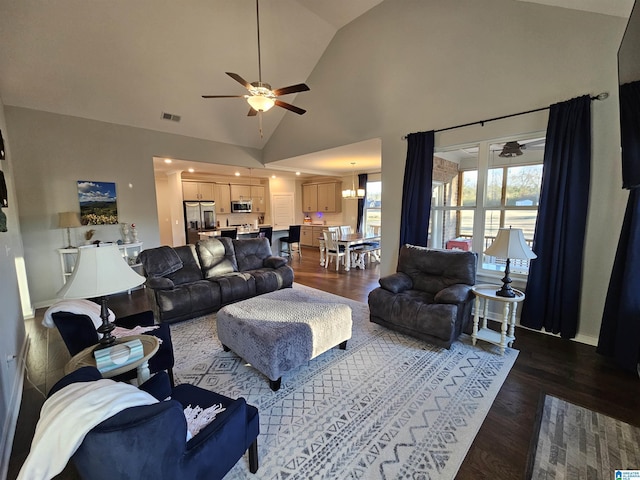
column 575, row 442
column 387, row 407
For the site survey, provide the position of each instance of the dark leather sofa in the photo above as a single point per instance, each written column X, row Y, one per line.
column 193, row 280
column 429, row 297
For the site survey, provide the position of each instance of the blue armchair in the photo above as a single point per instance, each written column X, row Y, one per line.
column 78, row 332
column 150, row 441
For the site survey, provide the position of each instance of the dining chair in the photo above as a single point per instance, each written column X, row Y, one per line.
column 345, row 229
column 292, row 240
column 332, row 249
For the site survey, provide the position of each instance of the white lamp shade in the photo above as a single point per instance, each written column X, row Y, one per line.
column 99, row 271
column 510, row 243
column 260, row 103
column 68, row 220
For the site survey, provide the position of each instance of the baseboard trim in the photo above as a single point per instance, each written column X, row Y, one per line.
column 11, row 420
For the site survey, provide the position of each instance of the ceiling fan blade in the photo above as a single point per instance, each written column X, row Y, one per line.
column 290, row 107
column 239, row 79
column 300, row 87
column 222, row 96
column 252, row 113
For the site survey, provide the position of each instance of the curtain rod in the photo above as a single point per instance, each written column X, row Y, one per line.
column 600, row 96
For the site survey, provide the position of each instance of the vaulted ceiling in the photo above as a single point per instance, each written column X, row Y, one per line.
column 128, row 62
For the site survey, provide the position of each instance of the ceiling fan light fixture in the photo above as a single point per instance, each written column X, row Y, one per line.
column 260, row 103
column 511, row 149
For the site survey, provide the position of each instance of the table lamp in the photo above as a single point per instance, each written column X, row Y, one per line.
column 100, row 271
column 509, row 244
column 68, row 220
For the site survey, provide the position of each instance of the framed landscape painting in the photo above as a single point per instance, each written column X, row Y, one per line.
column 97, row 203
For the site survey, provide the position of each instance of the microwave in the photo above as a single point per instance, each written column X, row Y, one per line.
column 240, row 206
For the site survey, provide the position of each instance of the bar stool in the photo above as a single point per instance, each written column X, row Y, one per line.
column 292, row 240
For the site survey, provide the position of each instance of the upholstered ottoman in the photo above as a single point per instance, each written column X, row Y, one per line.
column 281, row 330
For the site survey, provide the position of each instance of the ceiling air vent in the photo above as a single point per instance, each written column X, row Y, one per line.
column 170, row 116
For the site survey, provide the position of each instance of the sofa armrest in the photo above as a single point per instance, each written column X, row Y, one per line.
column 454, row 294
column 396, row 282
column 274, row 262
column 159, row 283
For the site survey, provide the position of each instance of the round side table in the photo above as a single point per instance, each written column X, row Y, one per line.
column 85, row 358
column 506, row 336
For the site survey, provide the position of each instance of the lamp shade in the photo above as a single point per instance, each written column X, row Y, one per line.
column 99, row 271
column 510, row 243
column 68, row 220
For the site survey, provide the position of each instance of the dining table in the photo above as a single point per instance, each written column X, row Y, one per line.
column 348, row 241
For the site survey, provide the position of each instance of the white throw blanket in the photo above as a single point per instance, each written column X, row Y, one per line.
column 92, row 310
column 79, row 307
column 68, row 415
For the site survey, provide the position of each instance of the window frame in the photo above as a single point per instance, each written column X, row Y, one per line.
column 481, row 207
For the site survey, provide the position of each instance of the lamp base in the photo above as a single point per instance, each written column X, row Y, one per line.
column 506, row 290
column 107, row 327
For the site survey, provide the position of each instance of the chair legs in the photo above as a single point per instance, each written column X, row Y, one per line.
column 291, row 249
column 253, row 456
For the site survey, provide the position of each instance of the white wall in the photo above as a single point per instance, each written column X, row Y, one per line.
column 52, row 152
column 13, row 337
column 418, row 65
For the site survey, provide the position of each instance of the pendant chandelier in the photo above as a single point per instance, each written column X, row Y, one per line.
column 353, row 192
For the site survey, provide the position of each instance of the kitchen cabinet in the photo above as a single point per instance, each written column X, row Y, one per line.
column 258, row 200
column 310, row 235
column 310, row 197
column 197, row 191
column 240, row 192
column 322, row 197
column 329, row 197
column 222, row 197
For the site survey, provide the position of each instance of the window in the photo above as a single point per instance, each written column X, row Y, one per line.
column 373, row 206
column 481, row 188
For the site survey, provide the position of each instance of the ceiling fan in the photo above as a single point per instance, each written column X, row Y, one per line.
column 261, row 96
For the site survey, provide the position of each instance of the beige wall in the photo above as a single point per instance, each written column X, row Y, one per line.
column 417, row 65
column 52, row 152
column 12, row 286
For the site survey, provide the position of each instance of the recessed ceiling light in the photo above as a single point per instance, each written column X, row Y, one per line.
column 273, row 176
column 298, row 173
column 237, row 174
column 167, row 160
column 191, row 170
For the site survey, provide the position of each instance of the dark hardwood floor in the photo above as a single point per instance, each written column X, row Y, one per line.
column 545, row 364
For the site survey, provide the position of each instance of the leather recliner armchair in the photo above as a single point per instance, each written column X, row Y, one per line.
column 429, row 297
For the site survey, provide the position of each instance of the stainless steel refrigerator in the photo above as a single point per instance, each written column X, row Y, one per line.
column 198, row 217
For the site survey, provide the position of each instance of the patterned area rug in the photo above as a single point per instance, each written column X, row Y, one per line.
column 388, row 407
column 575, row 442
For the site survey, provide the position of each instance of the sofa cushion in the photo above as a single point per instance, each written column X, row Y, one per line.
column 235, row 286
column 190, row 271
column 434, row 270
column 251, row 252
column 160, row 261
column 217, row 256
column 188, row 300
